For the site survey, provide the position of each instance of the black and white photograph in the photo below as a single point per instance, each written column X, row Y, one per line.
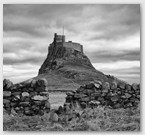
column 71, row 67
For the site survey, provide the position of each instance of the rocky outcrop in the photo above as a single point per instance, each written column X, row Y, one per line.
column 114, row 95
column 69, row 68
column 60, row 56
column 29, row 99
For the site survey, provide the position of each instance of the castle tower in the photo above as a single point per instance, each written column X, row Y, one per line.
column 59, row 38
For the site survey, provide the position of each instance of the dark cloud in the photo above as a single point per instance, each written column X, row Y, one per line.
column 117, row 20
column 38, row 17
column 35, row 60
column 120, row 21
column 109, row 56
column 26, row 28
column 29, row 46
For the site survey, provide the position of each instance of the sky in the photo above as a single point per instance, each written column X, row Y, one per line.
column 109, row 33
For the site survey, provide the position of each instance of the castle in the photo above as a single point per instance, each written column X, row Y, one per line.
column 59, row 40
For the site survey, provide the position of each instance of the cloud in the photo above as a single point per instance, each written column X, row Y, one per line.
column 128, row 71
column 119, row 22
column 23, row 57
column 110, row 56
column 19, row 73
column 109, row 33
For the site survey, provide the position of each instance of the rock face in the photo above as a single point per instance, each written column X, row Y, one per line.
column 59, row 57
column 66, row 66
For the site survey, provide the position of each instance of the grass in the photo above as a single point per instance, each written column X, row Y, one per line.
column 97, row 119
column 57, row 99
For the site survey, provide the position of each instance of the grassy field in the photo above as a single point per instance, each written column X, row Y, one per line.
column 56, row 99
column 98, row 119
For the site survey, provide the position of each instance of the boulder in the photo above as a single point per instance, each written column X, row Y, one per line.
column 136, row 100
column 25, row 94
column 80, row 89
column 24, row 103
column 60, row 110
column 135, row 86
column 6, row 93
column 121, row 86
column 33, row 83
column 95, row 103
column 92, row 97
column 47, row 105
column 6, row 101
column 128, row 87
column 36, row 102
column 89, row 86
column 83, row 105
column 40, row 89
column 114, row 98
column 113, row 85
column 39, row 98
column 18, row 97
column 96, row 94
column 83, row 95
column 130, row 91
column 15, row 98
column 70, row 93
column 34, row 93
column 77, row 95
column 35, row 107
column 105, row 90
column 104, row 94
column 69, row 99
column 16, row 93
column 42, row 82
column 98, row 84
column 44, row 94
column 26, row 89
column 26, row 99
column 123, row 97
column 89, row 91
column 128, row 95
column 117, row 105
column 85, row 99
column 100, row 99
column 53, row 117
column 7, row 84
column 106, row 86
column 128, row 105
column 13, row 104
column 119, row 92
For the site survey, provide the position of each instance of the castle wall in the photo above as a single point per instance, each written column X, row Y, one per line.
column 75, row 46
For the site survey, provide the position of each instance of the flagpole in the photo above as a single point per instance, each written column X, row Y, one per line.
column 63, row 30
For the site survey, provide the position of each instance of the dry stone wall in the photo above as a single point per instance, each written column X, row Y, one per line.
column 114, row 95
column 28, row 99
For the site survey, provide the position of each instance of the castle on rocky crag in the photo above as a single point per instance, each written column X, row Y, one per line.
column 59, row 40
